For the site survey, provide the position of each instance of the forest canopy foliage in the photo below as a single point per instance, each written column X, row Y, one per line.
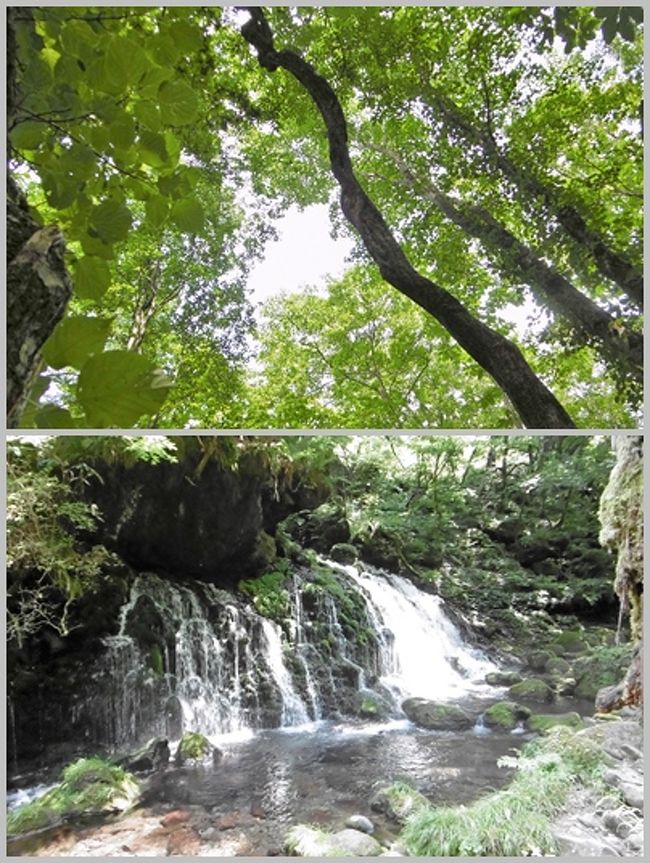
column 493, row 173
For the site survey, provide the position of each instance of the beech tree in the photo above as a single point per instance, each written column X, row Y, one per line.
column 478, row 166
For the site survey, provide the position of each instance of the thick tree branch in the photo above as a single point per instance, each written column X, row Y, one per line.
column 534, row 403
column 614, row 266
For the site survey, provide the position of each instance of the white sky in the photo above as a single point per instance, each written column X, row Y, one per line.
column 304, row 254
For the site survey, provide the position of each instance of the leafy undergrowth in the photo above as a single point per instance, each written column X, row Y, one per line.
column 515, row 821
column 87, row 785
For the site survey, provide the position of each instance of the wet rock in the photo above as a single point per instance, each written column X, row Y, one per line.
column 194, row 748
column 533, row 689
column 344, row 552
column 153, row 756
column 360, row 822
column 542, row 722
column 618, row 822
column 397, row 801
column 505, row 715
column 539, row 659
column 503, row 678
column 439, row 717
column 570, row 643
column 235, row 819
column 557, row 665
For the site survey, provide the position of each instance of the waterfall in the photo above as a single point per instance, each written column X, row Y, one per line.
column 422, row 651
column 190, row 656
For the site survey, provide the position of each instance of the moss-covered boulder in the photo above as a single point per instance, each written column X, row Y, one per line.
column 305, row 841
column 195, row 748
column 505, row 715
column 503, row 678
column 533, row 689
column 570, row 643
column 89, row 785
column 542, row 722
column 437, row 716
column 604, row 667
column 398, row 801
column 557, row 665
column 539, row 660
column 344, row 552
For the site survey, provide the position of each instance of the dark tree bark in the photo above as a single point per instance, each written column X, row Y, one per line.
column 38, row 285
column 535, row 404
column 614, row 266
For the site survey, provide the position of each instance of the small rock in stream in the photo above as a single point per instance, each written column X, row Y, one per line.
column 360, row 822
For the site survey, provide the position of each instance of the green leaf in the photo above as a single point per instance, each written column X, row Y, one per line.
column 188, row 215
column 187, row 36
column 117, row 388
column 78, row 39
column 178, row 103
column 112, row 221
column 122, row 132
column 28, row 135
column 54, row 417
column 74, row 340
column 147, row 114
column 125, row 57
column 153, row 149
column 40, row 385
column 92, row 278
column 609, row 29
column 157, row 210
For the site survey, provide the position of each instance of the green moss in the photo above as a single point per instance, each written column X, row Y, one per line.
column 514, row 822
column 399, row 801
column 193, row 746
column 88, row 785
column 531, row 690
column 156, row 662
column 505, row 714
column 604, row 666
column 543, row 722
column 268, row 593
column 570, row 642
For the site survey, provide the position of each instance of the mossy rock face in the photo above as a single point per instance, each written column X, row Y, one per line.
column 570, row 643
column 264, row 552
column 531, row 690
column 542, row 722
column 398, row 801
column 606, row 666
column 503, row 678
column 194, row 747
column 439, row 717
column 371, row 706
column 88, row 785
column 344, row 552
column 505, row 715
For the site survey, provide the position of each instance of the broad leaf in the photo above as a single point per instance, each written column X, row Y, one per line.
column 92, row 277
column 178, row 103
column 112, row 221
column 188, row 215
column 54, row 417
column 74, row 340
column 117, row 388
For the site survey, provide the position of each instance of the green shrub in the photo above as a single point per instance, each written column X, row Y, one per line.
column 268, row 593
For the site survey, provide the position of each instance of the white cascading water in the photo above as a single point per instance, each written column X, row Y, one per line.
column 294, row 711
column 422, row 651
column 216, row 656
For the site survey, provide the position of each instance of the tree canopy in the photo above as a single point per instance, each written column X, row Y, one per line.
column 486, row 161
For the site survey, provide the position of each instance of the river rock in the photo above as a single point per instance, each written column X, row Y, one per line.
column 196, row 748
column 503, row 678
column 153, row 756
column 305, row 841
column 344, row 552
column 533, row 689
column 360, row 822
column 505, row 715
column 542, row 722
column 437, row 716
column 398, row 801
column 539, row 659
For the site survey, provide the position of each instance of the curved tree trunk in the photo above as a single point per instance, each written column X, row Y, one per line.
column 38, row 285
column 614, row 266
column 533, row 401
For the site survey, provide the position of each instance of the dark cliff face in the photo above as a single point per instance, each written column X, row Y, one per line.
column 213, row 527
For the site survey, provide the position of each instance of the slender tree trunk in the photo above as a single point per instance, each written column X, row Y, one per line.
column 614, row 266
column 535, row 404
column 618, row 346
column 38, row 285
